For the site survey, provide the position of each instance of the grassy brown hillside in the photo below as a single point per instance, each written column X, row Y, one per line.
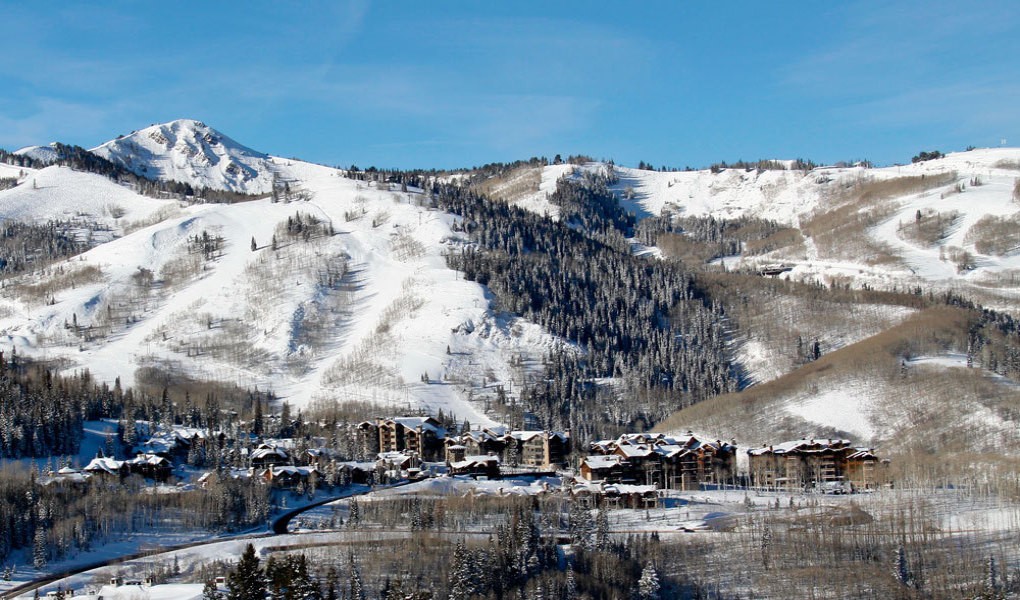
column 908, row 384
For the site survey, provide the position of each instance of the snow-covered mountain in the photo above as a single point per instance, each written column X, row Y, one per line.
column 337, row 291
column 191, row 152
column 45, row 154
column 340, row 289
column 939, row 224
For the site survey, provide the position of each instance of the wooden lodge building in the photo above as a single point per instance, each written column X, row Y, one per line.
column 684, row 463
column 539, row 449
column 424, row 436
column 822, row 464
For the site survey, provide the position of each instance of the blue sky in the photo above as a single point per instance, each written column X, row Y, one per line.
column 447, row 84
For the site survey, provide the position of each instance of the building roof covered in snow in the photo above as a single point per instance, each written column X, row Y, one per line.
column 102, row 464
column 264, row 451
column 603, row 461
column 804, row 446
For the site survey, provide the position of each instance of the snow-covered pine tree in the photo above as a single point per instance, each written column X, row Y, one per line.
column 991, row 578
column 354, row 516
column 39, row 554
column 211, row 592
column 649, row 587
column 582, row 527
column 331, row 591
column 303, row 585
column 462, row 576
column 246, row 581
column 356, row 586
column 602, row 529
column 900, row 569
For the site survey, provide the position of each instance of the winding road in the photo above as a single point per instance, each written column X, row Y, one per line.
column 278, row 526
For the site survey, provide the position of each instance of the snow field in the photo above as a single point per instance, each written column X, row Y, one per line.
column 265, row 317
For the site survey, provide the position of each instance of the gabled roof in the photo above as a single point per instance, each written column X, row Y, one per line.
column 863, row 454
column 102, row 464
column 611, row 489
column 642, row 444
column 642, row 438
column 355, row 465
column 152, row 460
column 525, row 436
column 634, row 451
column 804, row 446
column 475, row 435
column 291, row 470
column 397, row 457
column 425, row 423
column 484, row 461
column 266, row 450
column 233, row 473
column 603, row 461
column 671, row 450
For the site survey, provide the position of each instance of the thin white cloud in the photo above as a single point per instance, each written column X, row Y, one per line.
column 48, row 119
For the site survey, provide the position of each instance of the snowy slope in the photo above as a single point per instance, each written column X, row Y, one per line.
column 372, row 313
column 45, row 154
column 880, row 254
column 59, row 193
column 363, row 314
column 191, row 152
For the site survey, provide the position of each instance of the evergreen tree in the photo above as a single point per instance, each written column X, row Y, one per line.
column 211, row 592
column 462, row 576
column 992, row 584
column 602, row 529
column 766, row 545
column 354, row 516
column 332, row 585
column 582, row 527
column 649, row 587
column 571, row 586
column 39, row 554
column 357, row 588
column 247, row 582
column 900, row 569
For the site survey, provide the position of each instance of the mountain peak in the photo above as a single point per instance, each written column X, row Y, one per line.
column 190, row 151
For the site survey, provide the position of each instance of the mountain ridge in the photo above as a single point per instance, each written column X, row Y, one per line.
column 338, row 285
column 191, row 152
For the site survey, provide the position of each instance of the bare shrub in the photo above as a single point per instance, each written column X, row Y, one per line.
column 996, row 236
column 685, row 248
column 361, row 368
column 840, row 229
column 170, row 211
column 404, row 247
column 404, row 306
column 929, row 227
column 963, row 259
column 115, row 210
column 180, row 269
column 55, row 281
column 790, row 240
column 512, row 186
